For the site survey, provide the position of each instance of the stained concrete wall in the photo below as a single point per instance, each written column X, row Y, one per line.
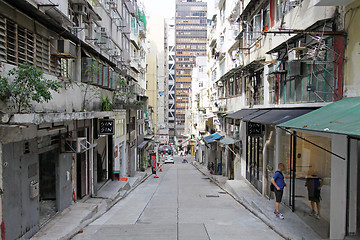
column 20, row 211
column 352, row 52
column 21, row 214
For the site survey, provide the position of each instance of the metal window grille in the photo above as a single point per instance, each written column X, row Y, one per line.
column 11, row 42
column 2, row 39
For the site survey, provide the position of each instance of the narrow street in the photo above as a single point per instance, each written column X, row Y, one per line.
column 180, row 204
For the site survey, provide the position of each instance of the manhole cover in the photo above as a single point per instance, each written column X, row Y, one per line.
column 212, row 195
column 222, row 192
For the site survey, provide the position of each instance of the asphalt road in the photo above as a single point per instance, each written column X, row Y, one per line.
column 181, row 204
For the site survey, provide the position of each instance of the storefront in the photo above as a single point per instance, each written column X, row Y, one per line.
column 321, row 154
column 212, row 155
column 308, row 177
column 231, row 153
column 260, row 140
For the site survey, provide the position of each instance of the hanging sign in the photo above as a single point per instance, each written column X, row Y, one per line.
column 254, row 129
column 107, row 126
column 216, row 121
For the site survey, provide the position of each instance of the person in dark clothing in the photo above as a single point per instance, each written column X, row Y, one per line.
column 313, row 184
column 279, row 184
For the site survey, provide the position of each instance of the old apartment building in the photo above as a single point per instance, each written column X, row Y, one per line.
column 282, row 87
column 93, row 129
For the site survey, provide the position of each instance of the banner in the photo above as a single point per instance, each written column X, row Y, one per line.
column 153, row 162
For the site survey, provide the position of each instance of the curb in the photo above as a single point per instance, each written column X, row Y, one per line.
column 97, row 215
column 259, row 215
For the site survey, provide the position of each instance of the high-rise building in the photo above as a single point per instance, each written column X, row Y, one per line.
column 158, row 46
column 190, row 42
column 171, row 53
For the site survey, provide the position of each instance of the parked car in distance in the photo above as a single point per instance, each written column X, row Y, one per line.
column 165, row 149
column 169, row 159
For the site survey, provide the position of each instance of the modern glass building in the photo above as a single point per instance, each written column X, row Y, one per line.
column 190, row 42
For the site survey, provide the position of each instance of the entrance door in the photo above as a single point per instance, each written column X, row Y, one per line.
column 47, row 184
column 81, row 174
column 254, row 163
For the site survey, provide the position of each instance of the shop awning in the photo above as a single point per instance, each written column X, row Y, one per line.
column 342, row 117
column 241, row 113
column 277, row 116
column 149, row 137
column 256, row 114
column 141, row 145
column 211, row 138
column 228, row 140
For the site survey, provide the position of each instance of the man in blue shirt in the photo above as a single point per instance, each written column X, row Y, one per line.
column 279, row 184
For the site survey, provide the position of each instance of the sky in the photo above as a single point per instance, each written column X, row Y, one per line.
column 166, row 8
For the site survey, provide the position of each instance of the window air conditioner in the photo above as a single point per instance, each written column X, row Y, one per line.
column 63, row 48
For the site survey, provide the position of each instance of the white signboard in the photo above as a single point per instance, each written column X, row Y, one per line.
column 163, row 138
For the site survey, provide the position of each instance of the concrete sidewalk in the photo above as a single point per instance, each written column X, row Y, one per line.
column 73, row 219
column 292, row 227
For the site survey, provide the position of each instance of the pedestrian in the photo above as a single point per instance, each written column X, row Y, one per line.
column 279, row 184
column 314, row 182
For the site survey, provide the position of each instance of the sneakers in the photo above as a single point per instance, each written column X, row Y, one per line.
column 315, row 215
column 279, row 215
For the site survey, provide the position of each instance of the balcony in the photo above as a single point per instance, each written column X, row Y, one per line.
column 131, row 6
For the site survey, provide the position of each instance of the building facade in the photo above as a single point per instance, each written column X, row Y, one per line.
column 276, row 69
column 190, row 42
column 57, row 152
column 171, row 56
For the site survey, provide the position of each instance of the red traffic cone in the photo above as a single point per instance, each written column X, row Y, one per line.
column 156, row 176
column 160, row 170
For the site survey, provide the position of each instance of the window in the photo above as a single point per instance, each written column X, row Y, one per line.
column 42, row 53
column 66, row 68
column 105, row 74
column 119, row 127
column 2, row 39
column 255, row 88
column 11, row 42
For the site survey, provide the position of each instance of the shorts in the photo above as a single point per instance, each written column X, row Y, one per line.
column 315, row 197
column 278, row 195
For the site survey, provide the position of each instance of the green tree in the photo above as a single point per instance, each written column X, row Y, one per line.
column 106, row 104
column 92, row 70
column 24, row 84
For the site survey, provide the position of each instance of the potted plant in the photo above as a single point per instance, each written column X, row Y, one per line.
column 143, row 164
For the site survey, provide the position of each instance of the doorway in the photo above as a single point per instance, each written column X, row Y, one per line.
column 47, row 184
column 81, row 174
column 254, row 161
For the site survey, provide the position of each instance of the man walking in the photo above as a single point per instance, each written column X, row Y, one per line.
column 279, row 184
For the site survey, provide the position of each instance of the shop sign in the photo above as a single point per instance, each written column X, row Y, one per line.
column 254, row 129
column 216, row 121
column 107, row 126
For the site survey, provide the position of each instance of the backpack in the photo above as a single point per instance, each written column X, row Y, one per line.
column 272, row 187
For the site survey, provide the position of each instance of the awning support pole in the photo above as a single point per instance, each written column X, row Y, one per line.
column 232, row 151
column 293, row 134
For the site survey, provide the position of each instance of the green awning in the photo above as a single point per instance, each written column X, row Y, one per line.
column 341, row 117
